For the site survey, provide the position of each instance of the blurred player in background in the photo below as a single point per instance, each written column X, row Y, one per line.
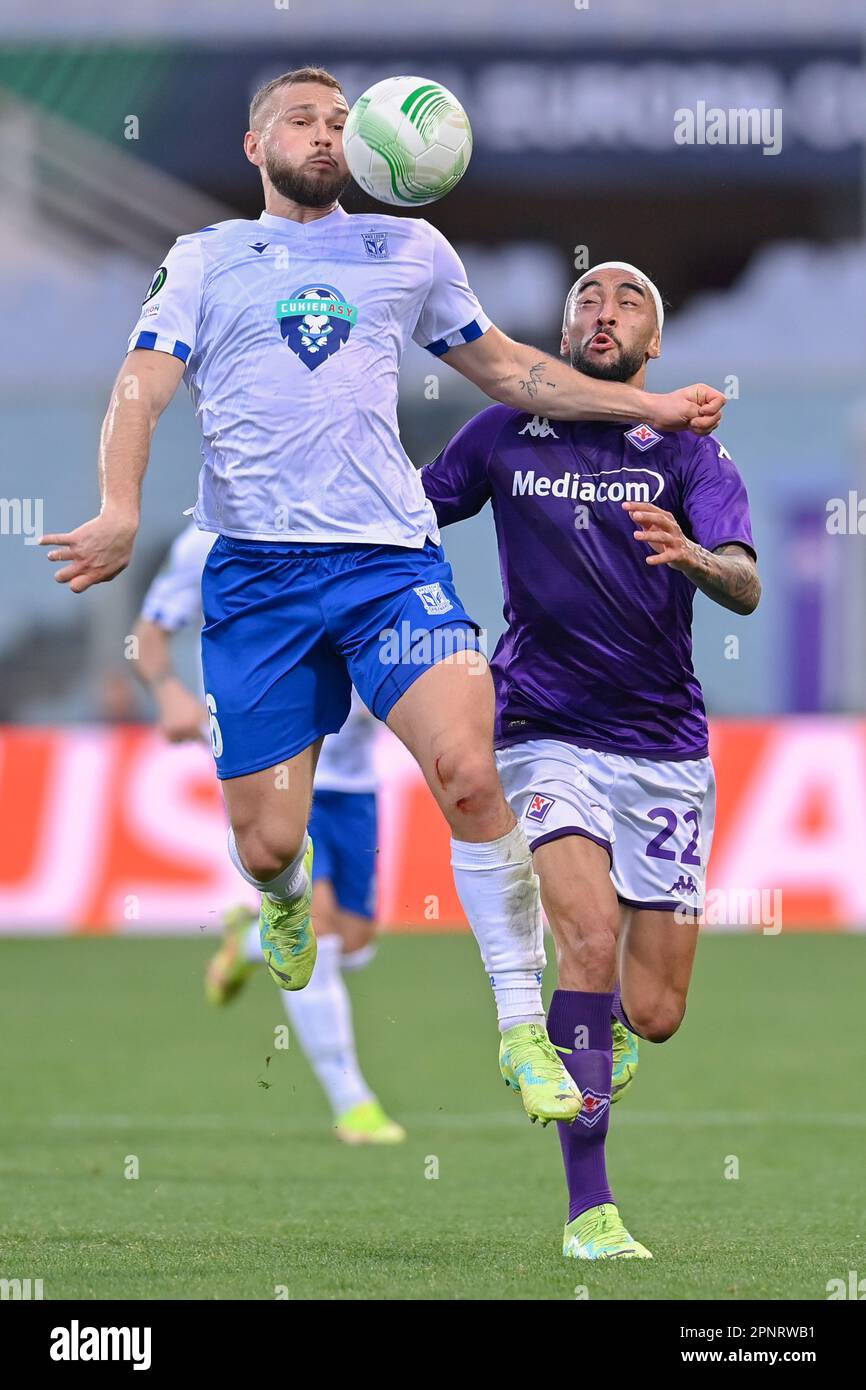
column 289, row 332
column 344, row 823
column 601, row 731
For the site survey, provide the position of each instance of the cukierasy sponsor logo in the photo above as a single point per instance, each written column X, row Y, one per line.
column 315, row 322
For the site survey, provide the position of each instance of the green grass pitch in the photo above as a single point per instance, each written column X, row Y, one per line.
column 109, row 1051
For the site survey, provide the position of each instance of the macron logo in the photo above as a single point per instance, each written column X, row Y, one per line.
column 539, row 427
column 77, row 1343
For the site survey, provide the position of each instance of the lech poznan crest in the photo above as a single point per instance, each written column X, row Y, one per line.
column 315, row 322
column 434, row 599
column 376, row 244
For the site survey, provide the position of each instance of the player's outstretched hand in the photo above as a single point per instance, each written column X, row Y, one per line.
column 697, row 408
column 94, row 552
column 662, row 531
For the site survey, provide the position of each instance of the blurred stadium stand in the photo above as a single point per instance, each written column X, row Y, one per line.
column 573, row 148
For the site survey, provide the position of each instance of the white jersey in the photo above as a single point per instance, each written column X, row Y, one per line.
column 292, row 335
column 173, row 601
column 346, row 762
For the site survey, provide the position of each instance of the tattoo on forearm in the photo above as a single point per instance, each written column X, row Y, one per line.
column 535, row 380
column 727, row 575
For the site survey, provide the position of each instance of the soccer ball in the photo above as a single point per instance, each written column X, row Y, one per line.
column 407, row 141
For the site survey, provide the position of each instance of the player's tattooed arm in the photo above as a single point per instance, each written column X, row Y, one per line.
column 527, row 379
column 534, row 382
column 728, row 575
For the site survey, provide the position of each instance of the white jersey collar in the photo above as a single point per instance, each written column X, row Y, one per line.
column 287, row 224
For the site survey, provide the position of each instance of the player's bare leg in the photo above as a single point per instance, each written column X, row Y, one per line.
column 358, row 935
column 656, row 956
column 445, row 719
column 581, row 905
column 657, row 950
column 582, row 908
column 269, row 846
column 269, row 811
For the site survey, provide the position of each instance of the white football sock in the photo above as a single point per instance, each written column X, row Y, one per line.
column 253, row 943
column 357, row 960
column 499, row 894
column 290, row 884
column 321, row 1016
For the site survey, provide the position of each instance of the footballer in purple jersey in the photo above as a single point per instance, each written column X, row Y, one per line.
column 605, row 531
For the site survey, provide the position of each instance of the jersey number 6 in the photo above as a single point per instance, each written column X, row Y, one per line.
column 216, row 736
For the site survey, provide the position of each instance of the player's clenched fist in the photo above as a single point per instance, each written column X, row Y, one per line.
column 697, row 408
column 662, row 531
column 92, row 553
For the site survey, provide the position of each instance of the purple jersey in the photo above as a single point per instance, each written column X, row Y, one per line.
column 598, row 649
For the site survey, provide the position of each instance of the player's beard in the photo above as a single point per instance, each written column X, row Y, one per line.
column 623, row 367
column 316, row 190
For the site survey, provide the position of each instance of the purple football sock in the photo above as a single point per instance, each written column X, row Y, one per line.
column 619, row 1012
column 576, row 1017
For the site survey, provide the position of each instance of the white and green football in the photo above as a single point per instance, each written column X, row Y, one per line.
column 407, row 141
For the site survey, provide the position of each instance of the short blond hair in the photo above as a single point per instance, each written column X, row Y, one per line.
column 289, row 79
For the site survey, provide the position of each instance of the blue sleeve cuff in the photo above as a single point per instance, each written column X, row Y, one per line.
column 159, row 342
column 473, row 330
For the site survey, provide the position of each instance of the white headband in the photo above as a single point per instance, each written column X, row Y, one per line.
column 631, row 270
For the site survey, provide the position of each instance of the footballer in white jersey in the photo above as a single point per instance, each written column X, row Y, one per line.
column 288, row 332
column 344, row 823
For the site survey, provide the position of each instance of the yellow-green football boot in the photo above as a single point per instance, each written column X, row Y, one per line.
column 367, row 1123
column 228, row 970
column 625, row 1060
column 598, row 1234
column 530, row 1064
column 287, row 936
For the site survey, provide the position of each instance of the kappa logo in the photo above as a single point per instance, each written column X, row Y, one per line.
column 315, row 323
column 538, row 807
column 643, row 437
column 434, row 599
column 539, row 427
column 375, row 244
column 684, row 884
column 594, row 1106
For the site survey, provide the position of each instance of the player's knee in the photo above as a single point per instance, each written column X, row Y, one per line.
column 469, row 780
column 658, row 1021
column 265, row 855
column 586, row 940
column 594, row 954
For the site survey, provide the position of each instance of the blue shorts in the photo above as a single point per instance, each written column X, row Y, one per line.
column 343, row 829
column 289, row 629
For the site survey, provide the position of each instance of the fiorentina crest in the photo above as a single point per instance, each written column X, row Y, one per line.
column 594, row 1106
column 538, row 807
column 315, row 322
column 643, row 437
